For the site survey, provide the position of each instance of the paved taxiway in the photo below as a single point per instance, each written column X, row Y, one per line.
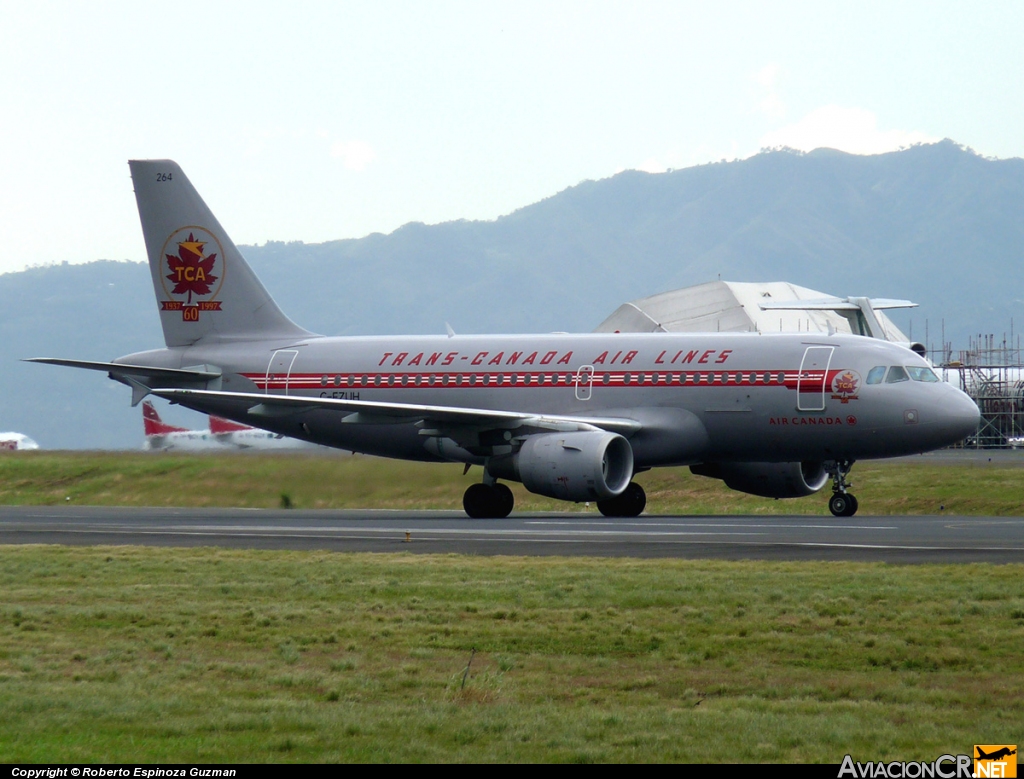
column 892, row 539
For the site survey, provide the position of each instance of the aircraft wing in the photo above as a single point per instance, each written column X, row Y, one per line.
column 370, row 412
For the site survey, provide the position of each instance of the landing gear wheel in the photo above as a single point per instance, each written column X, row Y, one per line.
column 505, row 500
column 842, row 504
column 487, row 501
column 630, row 503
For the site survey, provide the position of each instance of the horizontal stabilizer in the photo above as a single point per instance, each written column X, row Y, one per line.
column 116, row 369
column 143, row 378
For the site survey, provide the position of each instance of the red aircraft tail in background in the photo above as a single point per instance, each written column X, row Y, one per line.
column 218, row 426
column 222, row 435
column 154, row 425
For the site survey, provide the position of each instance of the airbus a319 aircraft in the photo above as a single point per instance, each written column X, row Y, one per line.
column 572, row 417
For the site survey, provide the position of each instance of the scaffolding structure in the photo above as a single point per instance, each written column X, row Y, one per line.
column 991, row 371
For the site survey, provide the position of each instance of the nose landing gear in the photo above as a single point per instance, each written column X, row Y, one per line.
column 842, row 503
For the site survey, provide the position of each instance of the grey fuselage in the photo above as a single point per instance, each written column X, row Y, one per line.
column 705, row 397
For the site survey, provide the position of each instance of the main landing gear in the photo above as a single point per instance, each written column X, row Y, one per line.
column 488, row 501
column 842, row 503
column 630, row 503
column 495, row 501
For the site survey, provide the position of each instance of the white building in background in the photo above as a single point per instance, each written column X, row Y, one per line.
column 16, row 442
column 767, row 307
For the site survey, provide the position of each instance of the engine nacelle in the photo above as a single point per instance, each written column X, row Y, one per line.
column 581, row 466
column 769, row 480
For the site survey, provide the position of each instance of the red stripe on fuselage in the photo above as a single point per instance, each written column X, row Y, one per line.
column 809, row 381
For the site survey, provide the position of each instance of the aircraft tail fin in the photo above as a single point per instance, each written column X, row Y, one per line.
column 204, row 288
column 218, row 426
column 153, row 424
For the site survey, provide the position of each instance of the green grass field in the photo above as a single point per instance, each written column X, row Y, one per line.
column 346, row 481
column 142, row 655
column 133, row 654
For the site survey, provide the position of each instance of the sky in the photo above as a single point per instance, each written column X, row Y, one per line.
column 317, row 121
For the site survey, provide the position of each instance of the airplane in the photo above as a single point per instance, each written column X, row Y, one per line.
column 222, row 434
column 999, row 753
column 16, row 442
column 163, row 437
column 571, row 416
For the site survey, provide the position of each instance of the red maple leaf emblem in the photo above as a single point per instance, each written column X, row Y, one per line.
column 845, row 384
column 191, row 272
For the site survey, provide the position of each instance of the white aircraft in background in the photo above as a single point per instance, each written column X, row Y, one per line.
column 16, row 442
column 572, row 417
column 222, row 434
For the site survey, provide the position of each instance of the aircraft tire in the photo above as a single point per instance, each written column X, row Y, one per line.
column 630, row 503
column 484, row 501
column 842, row 504
column 475, row 501
column 505, row 501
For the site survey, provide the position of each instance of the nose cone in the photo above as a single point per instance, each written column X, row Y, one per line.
column 958, row 417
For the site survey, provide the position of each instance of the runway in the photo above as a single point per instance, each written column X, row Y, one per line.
column 897, row 539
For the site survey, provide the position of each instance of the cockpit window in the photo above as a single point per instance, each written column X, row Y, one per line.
column 896, row 374
column 921, row 374
column 876, row 374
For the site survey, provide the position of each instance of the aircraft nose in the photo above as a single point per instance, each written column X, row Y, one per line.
column 960, row 417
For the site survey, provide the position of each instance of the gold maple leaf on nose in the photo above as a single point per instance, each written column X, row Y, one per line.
column 191, row 272
column 846, row 383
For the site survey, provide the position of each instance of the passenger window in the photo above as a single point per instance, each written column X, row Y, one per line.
column 896, row 374
column 876, row 374
column 922, row 374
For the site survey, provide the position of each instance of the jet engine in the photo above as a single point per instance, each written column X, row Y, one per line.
column 589, row 465
column 769, row 480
